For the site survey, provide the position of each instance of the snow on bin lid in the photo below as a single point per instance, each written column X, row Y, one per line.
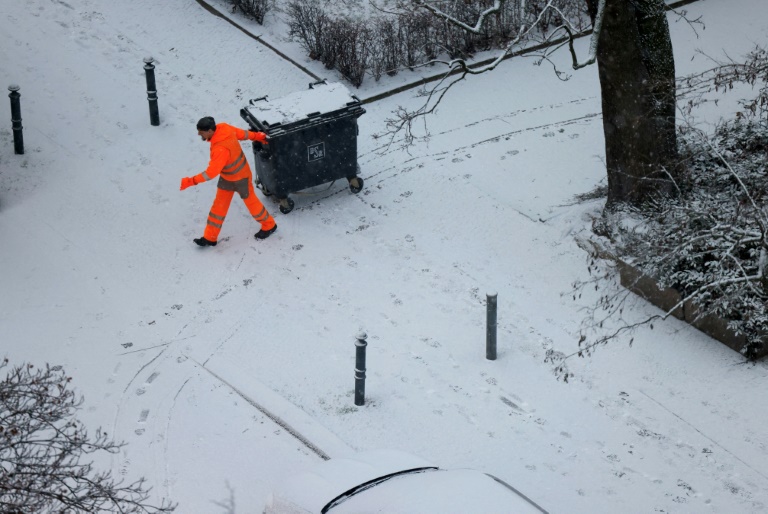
column 322, row 98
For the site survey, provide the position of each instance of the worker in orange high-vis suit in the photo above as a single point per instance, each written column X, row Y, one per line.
column 228, row 162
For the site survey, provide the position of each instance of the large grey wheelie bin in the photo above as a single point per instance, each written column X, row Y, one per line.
column 312, row 138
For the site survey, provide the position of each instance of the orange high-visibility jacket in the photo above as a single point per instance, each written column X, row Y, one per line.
column 227, row 157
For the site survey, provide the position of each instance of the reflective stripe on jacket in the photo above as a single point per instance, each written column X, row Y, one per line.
column 227, row 156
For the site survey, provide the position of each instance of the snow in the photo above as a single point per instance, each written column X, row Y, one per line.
column 191, row 355
column 295, row 107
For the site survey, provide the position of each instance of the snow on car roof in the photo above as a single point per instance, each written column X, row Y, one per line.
column 315, row 488
column 441, row 491
column 426, row 491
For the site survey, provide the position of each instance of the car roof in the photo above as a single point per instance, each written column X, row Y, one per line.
column 311, row 490
column 437, row 491
column 394, row 481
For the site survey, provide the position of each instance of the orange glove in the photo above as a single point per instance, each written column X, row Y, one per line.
column 261, row 137
column 187, row 182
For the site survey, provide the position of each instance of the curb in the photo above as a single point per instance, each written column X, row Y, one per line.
column 291, row 418
column 208, row 7
column 669, row 300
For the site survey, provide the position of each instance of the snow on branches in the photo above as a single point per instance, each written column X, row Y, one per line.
column 709, row 243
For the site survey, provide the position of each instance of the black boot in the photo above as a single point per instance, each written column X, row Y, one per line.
column 204, row 242
column 263, row 234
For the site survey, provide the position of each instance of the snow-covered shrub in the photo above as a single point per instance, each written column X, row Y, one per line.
column 307, row 23
column 385, row 50
column 342, row 43
column 411, row 36
column 417, row 45
column 352, row 44
column 752, row 71
column 710, row 242
column 256, row 9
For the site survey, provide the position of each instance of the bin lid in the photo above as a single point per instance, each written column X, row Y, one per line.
column 321, row 98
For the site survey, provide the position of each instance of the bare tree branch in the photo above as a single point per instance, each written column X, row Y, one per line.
column 497, row 4
column 404, row 119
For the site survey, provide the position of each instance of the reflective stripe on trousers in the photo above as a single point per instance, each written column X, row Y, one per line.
column 223, row 200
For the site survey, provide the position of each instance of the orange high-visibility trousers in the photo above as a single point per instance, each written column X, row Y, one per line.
column 221, row 206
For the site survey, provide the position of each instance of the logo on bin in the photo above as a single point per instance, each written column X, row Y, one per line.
column 316, row 152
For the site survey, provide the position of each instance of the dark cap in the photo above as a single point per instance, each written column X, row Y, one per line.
column 206, row 123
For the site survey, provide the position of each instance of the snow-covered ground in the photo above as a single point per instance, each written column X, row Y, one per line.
column 174, row 347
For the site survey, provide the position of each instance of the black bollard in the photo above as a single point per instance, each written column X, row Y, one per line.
column 360, row 345
column 149, row 70
column 490, row 330
column 18, row 137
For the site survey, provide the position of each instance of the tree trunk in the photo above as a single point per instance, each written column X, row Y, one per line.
column 637, row 78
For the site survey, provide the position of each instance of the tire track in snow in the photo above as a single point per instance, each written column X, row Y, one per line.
column 393, row 171
column 130, row 382
column 382, row 150
column 705, row 436
column 166, row 482
column 150, row 408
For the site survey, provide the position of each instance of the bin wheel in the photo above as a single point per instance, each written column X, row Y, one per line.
column 286, row 205
column 263, row 188
column 356, row 184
